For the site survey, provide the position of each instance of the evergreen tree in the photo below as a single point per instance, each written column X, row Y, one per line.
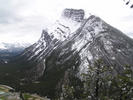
column 101, row 84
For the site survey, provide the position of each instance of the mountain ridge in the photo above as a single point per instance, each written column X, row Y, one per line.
column 65, row 53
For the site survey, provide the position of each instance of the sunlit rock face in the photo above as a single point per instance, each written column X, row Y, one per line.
column 66, row 49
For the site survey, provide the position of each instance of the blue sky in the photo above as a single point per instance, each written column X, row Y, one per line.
column 23, row 20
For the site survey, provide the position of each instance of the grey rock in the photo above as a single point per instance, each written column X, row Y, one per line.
column 74, row 14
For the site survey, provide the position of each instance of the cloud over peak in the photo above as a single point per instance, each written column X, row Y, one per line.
column 23, row 20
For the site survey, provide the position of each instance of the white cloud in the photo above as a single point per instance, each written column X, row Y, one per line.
column 23, row 20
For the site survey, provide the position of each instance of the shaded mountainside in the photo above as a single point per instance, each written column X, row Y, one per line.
column 65, row 51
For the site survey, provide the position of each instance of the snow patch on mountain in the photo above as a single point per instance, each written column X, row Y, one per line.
column 63, row 28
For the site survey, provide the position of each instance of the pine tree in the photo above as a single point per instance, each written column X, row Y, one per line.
column 101, row 84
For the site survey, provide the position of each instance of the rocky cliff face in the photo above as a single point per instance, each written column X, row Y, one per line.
column 76, row 15
column 73, row 43
column 53, row 39
column 91, row 39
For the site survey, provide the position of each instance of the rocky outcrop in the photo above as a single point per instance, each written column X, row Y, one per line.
column 74, row 14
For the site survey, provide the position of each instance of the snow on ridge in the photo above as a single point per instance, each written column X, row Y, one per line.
column 63, row 28
column 92, row 28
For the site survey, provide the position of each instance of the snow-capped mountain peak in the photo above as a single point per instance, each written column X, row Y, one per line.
column 68, row 23
column 63, row 28
column 66, row 49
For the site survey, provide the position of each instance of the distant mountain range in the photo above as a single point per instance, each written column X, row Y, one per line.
column 12, row 47
column 9, row 50
column 64, row 52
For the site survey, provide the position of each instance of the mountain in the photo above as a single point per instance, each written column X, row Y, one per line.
column 130, row 34
column 13, row 47
column 64, row 52
column 9, row 50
